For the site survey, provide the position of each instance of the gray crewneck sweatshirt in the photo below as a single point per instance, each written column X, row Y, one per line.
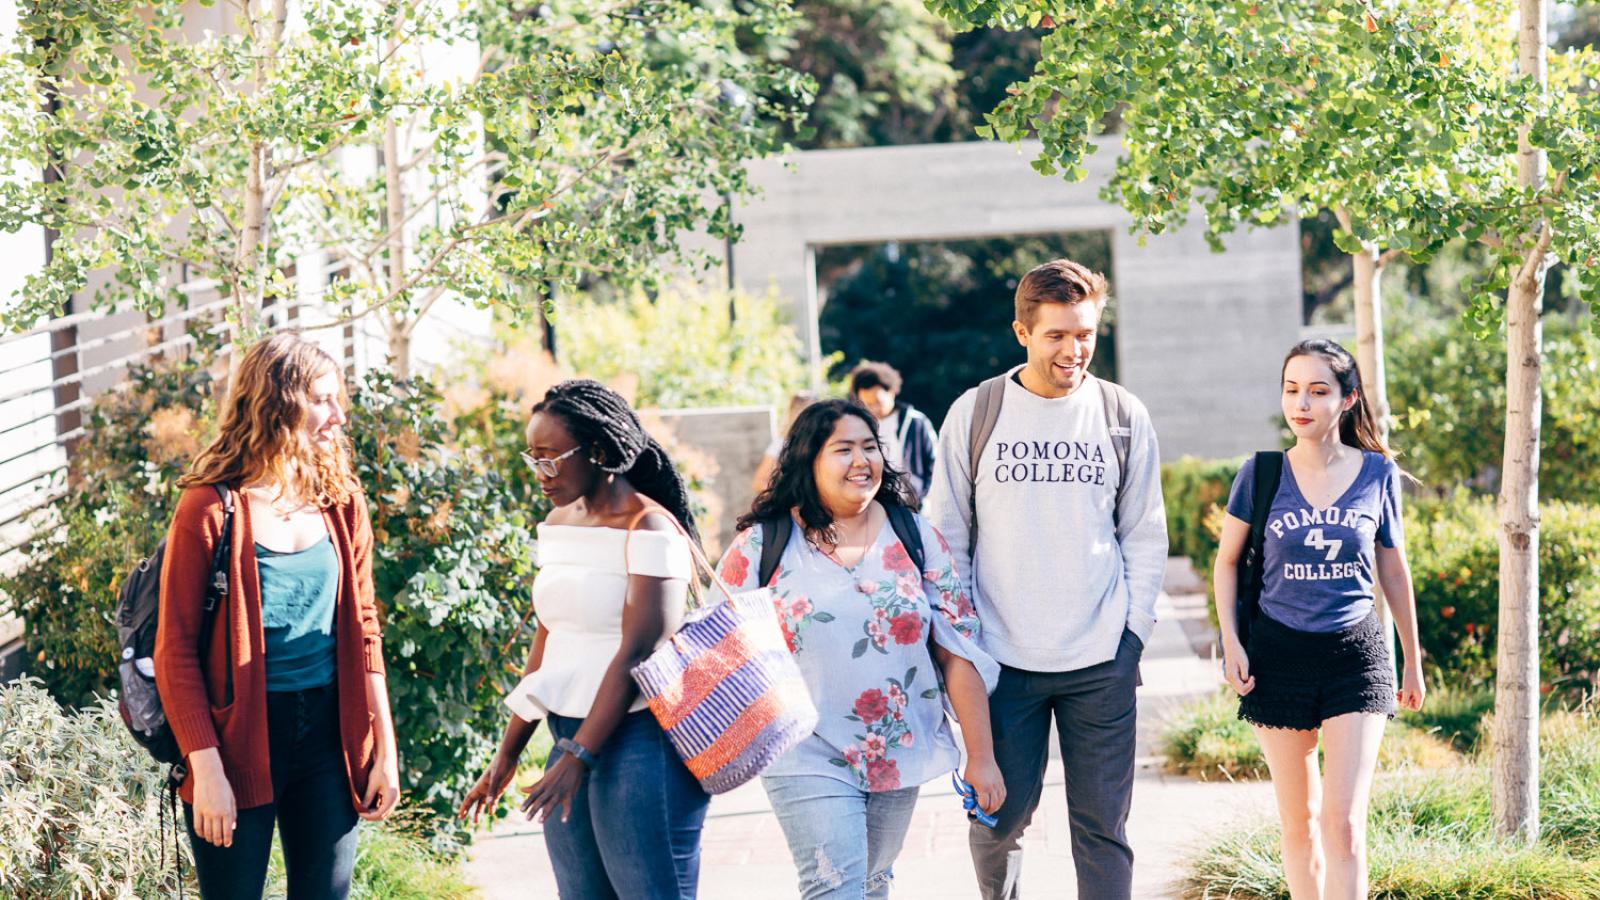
column 1054, row 575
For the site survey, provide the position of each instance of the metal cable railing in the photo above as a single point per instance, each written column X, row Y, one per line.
column 45, row 390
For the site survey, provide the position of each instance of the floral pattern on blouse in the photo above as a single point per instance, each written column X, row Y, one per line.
column 860, row 636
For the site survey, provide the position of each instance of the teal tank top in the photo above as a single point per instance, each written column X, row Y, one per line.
column 297, row 599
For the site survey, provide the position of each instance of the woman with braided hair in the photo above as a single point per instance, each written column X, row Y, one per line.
column 614, row 573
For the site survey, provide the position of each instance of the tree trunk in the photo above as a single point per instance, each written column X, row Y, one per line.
column 1515, row 794
column 1368, row 285
column 400, row 321
column 1367, row 270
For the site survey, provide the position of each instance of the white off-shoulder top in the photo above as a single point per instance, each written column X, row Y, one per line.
column 578, row 597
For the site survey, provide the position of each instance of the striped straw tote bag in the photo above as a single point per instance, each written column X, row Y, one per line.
column 725, row 687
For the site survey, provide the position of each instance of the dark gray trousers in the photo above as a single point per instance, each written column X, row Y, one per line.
column 1095, row 715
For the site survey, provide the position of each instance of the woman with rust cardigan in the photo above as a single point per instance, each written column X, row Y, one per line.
column 284, row 717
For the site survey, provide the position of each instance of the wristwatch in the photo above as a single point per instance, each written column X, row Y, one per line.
column 576, row 751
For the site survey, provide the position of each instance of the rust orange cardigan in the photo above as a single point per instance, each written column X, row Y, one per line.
column 193, row 689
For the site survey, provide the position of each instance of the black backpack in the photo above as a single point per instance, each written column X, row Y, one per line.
column 137, row 607
column 1252, row 563
column 775, row 537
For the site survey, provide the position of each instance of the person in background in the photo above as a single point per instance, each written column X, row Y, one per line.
column 909, row 442
column 769, row 458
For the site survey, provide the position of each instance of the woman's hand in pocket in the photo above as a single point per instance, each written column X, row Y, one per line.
column 215, row 816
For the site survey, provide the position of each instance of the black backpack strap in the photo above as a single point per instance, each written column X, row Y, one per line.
column 217, row 585
column 1264, row 487
column 774, row 538
column 904, row 523
column 1269, row 471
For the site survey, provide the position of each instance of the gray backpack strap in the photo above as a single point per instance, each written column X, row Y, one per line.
column 1120, row 422
column 985, row 413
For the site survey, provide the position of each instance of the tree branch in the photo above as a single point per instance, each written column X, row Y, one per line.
column 531, row 214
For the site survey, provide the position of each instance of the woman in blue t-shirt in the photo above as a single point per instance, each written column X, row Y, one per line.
column 1318, row 662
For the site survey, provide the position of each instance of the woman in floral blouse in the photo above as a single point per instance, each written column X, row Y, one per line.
column 884, row 648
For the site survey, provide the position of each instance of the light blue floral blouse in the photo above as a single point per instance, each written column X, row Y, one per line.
column 860, row 636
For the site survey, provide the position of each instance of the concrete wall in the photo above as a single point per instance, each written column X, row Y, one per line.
column 1199, row 335
column 730, row 439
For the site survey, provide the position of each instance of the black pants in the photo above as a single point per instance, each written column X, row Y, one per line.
column 1095, row 714
column 311, row 801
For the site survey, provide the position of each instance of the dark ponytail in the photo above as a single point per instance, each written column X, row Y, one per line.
column 600, row 419
column 1358, row 427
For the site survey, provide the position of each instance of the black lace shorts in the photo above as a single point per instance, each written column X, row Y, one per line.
column 1304, row 678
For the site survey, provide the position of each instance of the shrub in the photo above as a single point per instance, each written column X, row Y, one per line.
column 1454, row 556
column 685, row 350
column 80, row 803
column 1208, row 740
column 1430, row 836
column 1447, row 390
column 452, row 566
column 1196, row 496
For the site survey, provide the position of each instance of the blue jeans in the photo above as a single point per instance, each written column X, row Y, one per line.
column 310, row 803
column 634, row 831
column 844, row 840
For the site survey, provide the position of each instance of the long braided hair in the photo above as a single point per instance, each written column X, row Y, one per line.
column 601, row 420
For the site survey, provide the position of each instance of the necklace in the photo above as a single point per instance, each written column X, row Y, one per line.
column 840, row 540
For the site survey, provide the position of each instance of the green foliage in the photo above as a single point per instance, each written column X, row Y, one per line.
column 1454, row 714
column 685, row 350
column 1207, row 739
column 1401, row 119
column 452, row 564
column 1448, row 393
column 80, row 804
column 1429, row 834
column 1196, row 495
column 119, row 501
column 881, row 67
column 587, row 139
column 1454, row 557
column 81, row 817
column 941, row 313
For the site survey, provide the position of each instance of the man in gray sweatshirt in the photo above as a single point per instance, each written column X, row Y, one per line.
column 1064, row 570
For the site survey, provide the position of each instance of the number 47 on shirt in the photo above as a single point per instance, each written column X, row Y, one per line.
column 1315, row 540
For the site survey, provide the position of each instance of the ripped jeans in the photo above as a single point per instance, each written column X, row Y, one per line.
column 843, row 839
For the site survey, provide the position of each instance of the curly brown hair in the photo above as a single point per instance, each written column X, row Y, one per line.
column 262, row 436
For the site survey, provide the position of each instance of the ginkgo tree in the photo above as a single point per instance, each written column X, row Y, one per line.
column 1402, row 120
column 492, row 152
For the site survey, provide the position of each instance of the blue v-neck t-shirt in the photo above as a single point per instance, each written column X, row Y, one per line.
column 1320, row 563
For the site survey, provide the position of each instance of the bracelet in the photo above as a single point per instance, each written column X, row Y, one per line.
column 576, row 750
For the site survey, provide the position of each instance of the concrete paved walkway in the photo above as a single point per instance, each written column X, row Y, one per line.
column 744, row 855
